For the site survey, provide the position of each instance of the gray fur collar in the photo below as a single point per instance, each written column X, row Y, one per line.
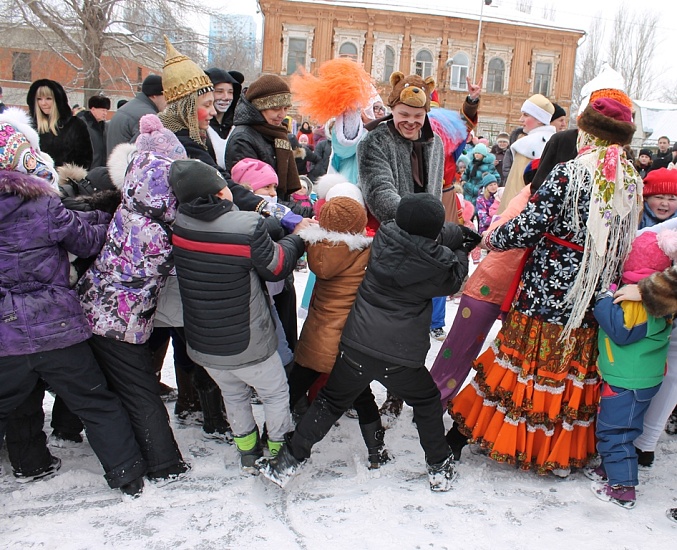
column 23, row 185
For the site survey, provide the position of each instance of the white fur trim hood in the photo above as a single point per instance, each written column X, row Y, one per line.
column 315, row 234
column 532, row 145
column 118, row 161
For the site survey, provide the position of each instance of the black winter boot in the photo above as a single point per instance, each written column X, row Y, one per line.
column 373, row 434
column 442, row 475
column 215, row 423
column 280, row 468
column 133, row 488
column 187, row 407
column 456, row 441
column 250, row 451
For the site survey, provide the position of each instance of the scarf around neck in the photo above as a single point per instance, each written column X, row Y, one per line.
column 615, row 190
column 287, row 172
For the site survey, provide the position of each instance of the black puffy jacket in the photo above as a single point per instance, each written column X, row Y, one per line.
column 391, row 317
column 222, row 256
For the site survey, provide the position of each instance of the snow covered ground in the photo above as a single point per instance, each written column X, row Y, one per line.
column 334, row 503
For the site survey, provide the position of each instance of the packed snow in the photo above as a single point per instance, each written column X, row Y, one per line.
column 334, row 502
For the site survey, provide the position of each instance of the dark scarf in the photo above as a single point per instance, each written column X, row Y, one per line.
column 286, row 170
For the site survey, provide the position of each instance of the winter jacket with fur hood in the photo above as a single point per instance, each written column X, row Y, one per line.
column 119, row 291
column 222, row 254
column 385, row 172
column 38, row 309
column 338, row 260
column 390, row 319
column 72, row 144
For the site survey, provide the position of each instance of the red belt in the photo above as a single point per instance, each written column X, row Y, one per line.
column 514, row 285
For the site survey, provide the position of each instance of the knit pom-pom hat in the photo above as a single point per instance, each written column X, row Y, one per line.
column 343, row 215
column 660, row 182
column 254, row 173
column 155, row 138
column 651, row 253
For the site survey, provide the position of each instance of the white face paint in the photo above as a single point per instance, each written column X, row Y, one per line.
column 222, row 105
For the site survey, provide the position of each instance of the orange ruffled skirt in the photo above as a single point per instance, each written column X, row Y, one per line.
column 533, row 400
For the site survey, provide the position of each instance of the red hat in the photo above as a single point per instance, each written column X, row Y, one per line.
column 650, row 253
column 661, row 182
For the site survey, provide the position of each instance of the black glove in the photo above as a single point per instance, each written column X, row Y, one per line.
column 470, row 238
column 451, row 236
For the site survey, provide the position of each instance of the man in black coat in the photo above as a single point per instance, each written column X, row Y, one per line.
column 95, row 119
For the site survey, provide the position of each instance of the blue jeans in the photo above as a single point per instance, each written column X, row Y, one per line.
column 439, row 309
column 619, row 423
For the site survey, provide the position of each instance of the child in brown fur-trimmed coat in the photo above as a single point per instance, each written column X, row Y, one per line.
column 338, row 252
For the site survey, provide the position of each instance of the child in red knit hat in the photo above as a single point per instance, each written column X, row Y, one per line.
column 633, row 347
column 660, row 197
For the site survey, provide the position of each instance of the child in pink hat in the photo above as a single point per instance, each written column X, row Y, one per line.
column 257, row 176
column 633, row 347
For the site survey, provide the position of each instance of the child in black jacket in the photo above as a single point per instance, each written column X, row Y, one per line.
column 386, row 335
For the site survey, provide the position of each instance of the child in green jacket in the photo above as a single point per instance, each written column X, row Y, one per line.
column 633, row 347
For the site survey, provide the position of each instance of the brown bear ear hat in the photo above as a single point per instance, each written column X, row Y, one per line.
column 411, row 90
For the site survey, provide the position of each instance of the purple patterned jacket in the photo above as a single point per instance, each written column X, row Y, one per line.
column 119, row 291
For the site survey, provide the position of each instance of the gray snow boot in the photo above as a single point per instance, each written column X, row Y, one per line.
column 373, row 434
column 442, row 475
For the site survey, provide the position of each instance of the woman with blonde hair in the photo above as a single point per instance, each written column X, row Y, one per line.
column 63, row 136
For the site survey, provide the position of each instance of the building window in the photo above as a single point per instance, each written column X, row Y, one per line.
column 349, row 50
column 424, row 64
column 542, row 77
column 495, row 74
column 21, row 66
column 389, row 63
column 297, row 54
column 459, row 72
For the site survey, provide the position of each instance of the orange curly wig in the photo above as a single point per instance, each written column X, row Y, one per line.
column 341, row 85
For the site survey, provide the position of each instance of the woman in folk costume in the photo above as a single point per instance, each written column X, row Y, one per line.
column 534, row 397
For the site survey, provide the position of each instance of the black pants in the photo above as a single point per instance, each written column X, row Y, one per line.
column 26, row 441
column 353, row 371
column 301, row 379
column 285, row 304
column 129, row 371
column 73, row 374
